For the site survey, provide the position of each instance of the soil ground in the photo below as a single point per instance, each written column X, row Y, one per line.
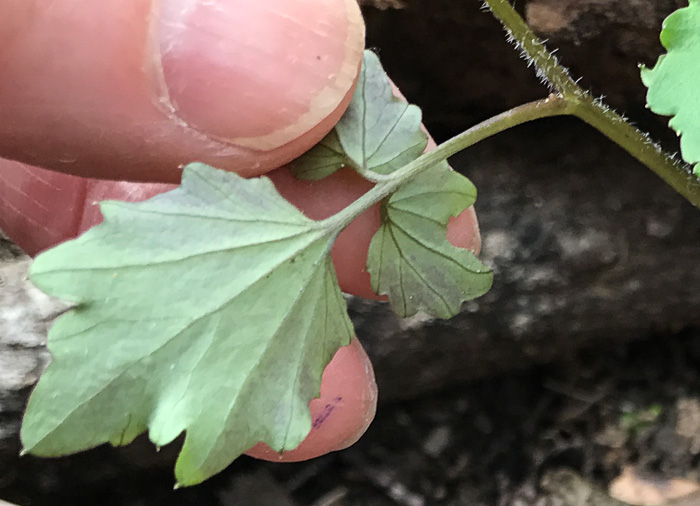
column 485, row 444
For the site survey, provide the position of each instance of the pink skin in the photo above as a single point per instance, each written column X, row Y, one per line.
column 131, row 90
column 347, row 388
column 116, row 90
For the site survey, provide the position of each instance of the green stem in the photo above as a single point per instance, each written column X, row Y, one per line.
column 551, row 106
column 547, row 65
column 675, row 173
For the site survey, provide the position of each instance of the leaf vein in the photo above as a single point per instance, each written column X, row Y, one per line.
column 419, row 275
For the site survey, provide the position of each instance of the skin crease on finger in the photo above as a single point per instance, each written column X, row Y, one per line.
column 173, row 81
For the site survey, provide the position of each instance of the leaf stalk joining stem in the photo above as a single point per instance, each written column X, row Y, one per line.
column 550, row 106
column 593, row 111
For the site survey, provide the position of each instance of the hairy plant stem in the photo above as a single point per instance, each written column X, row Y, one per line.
column 569, row 99
column 592, row 111
column 551, row 106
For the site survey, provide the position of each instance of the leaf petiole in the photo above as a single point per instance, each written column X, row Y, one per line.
column 548, row 107
column 592, row 111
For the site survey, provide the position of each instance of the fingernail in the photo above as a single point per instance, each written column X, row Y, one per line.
column 256, row 74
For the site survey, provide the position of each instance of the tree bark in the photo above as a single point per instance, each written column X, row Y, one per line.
column 25, row 315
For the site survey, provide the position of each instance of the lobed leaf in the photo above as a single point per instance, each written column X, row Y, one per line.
column 410, row 259
column 673, row 85
column 211, row 310
column 378, row 133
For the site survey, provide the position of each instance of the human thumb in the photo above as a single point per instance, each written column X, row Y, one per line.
column 134, row 89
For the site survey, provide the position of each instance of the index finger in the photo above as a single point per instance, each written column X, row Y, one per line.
column 132, row 90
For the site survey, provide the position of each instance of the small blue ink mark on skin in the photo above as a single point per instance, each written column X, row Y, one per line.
column 327, row 410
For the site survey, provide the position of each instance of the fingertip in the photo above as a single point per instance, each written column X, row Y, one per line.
column 300, row 61
column 463, row 231
column 146, row 86
column 341, row 414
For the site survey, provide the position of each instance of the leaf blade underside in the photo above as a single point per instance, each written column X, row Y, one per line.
column 212, row 310
column 410, row 259
column 377, row 134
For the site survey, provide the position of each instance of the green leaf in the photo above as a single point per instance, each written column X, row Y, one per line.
column 212, row 309
column 378, row 133
column 410, row 259
column 322, row 160
column 674, row 87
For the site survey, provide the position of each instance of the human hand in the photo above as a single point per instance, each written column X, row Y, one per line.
column 134, row 90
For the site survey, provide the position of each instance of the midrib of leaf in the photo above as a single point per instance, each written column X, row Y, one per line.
column 264, row 352
column 204, row 217
column 193, row 256
column 395, row 201
column 384, row 139
column 364, row 122
column 429, row 247
column 414, row 269
column 413, row 213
